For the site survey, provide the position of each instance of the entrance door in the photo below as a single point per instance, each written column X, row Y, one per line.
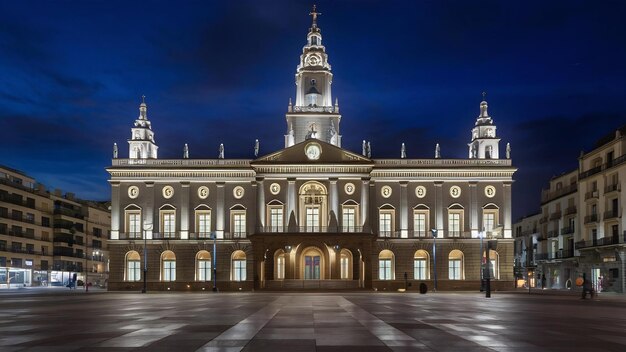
column 312, row 267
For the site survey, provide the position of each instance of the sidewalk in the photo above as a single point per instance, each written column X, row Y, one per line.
column 576, row 292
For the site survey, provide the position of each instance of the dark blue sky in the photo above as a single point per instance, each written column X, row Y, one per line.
column 72, row 74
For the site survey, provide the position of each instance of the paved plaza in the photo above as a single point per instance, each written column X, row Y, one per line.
column 58, row 320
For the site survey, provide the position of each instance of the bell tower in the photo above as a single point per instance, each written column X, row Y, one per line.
column 313, row 115
column 141, row 144
column 484, row 144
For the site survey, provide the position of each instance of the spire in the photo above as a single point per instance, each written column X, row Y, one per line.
column 314, row 15
column 141, row 142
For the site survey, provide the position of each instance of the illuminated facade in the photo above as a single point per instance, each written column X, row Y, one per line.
column 581, row 227
column 311, row 215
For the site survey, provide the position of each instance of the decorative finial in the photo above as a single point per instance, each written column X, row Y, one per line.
column 143, row 99
column 403, row 152
column 114, row 150
column 369, row 150
column 256, row 148
column 186, row 152
column 437, row 151
column 221, row 154
column 314, row 15
column 484, row 96
column 508, row 150
column 364, row 151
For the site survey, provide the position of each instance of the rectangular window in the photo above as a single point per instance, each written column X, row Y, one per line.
column 204, row 270
column 203, row 223
column 454, row 269
column 169, row 270
column 384, row 269
column 133, row 270
column 345, row 267
column 420, row 223
column 385, row 223
column 489, row 221
column 239, row 267
column 312, row 219
column 276, row 218
column 133, row 224
column 454, row 224
column 348, row 219
column 239, row 223
column 419, row 269
column 168, row 224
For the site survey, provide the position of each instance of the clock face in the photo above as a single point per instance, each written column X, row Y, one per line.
column 168, row 192
column 313, row 151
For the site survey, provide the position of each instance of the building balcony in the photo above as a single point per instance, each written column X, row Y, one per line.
column 529, row 232
column 547, row 195
column 556, row 215
column 592, row 195
column 17, row 201
column 611, row 214
column 553, row 234
column 612, row 188
column 20, row 234
column 598, row 242
column 609, row 164
column 541, row 256
column 570, row 210
column 69, row 212
column 21, row 219
column 567, row 230
column 591, row 218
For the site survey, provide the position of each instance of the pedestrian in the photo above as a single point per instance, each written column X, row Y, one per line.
column 543, row 281
column 586, row 287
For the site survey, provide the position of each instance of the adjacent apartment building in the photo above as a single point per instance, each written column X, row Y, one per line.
column 581, row 226
column 46, row 238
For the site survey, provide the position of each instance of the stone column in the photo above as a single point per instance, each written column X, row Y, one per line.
column 473, row 209
column 439, row 213
column 404, row 211
column 219, row 212
column 506, row 216
column 184, row 210
column 115, row 210
column 260, row 201
column 365, row 189
column 149, row 211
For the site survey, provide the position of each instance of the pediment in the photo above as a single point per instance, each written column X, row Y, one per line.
column 297, row 154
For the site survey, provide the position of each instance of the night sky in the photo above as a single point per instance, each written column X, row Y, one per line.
column 72, row 75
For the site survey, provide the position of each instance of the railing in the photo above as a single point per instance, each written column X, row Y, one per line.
column 591, row 218
column 131, row 236
column 604, row 241
column 309, row 229
column 182, row 162
column 313, row 109
column 20, row 250
column 69, row 212
column 555, row 216
column 567, row 230
column 17, row 201
column 611, row 188
column 552, row 234
column 21, row 219
column 559, row 254
column 591, row 194
column 166, row 235
column 607, row 165
column 443, row 162
column 547, row 196
column 529, row 232
column 541, row 256
column 610, row 214
column 570, row 210
column 18, row 234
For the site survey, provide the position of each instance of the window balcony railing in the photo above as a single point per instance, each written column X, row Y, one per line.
column 592, row 195
column 556, row 215
column 541, row 256
column 591, row 218
column 570, row 210
column 553, row 234
column 611, row 214
column 611, row 188
column 69, row 212
column 609, row 164
column 567, row 230
column 547, row 195
column 165, row 235
column 597, row 242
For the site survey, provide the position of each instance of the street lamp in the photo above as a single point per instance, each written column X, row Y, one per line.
column 481, row 235
column 214, row 238
column 434, row 233
column 146, row 227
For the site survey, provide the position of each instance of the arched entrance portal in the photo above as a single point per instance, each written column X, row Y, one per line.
column 312, row 264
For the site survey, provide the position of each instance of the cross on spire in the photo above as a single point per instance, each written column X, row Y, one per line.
column 484, row 95
column 143, row 99
column 314, row 15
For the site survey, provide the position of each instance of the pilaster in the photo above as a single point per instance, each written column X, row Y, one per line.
column 219, row 212
column 115, row 210
column 184, row 210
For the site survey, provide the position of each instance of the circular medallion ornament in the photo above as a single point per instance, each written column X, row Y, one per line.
column 238, row 192
column 420, row 191
column 349, row 188
column 455, row 191
column 313, row 151
column 168, row 192
column 203, row 192
column 490, row 191
column 274, row 188
column 385, row 191
column 133, row 192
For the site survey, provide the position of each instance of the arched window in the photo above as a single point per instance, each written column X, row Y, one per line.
column 279, row 265
column 133, row 266
column 455, row 265
column 345, row 263
column 349, row 216
column 490, row 218
column 168, row 221
column 386, row 217
column 203, row 221
column 203, row 266
column 168, row 266
column 238, row 268
column 386, row 265
column 421, row 267
column 132, row 221
column 455, row 220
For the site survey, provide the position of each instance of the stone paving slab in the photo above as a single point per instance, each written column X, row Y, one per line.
column 353, row 321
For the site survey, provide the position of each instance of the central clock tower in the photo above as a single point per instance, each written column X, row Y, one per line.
column 313, row 116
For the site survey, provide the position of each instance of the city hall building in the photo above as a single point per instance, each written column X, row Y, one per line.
column 312, row 215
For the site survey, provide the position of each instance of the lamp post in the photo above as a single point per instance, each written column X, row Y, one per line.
column 481, row 235
column 214, row 238
column 434, row 233
column 146, row 227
